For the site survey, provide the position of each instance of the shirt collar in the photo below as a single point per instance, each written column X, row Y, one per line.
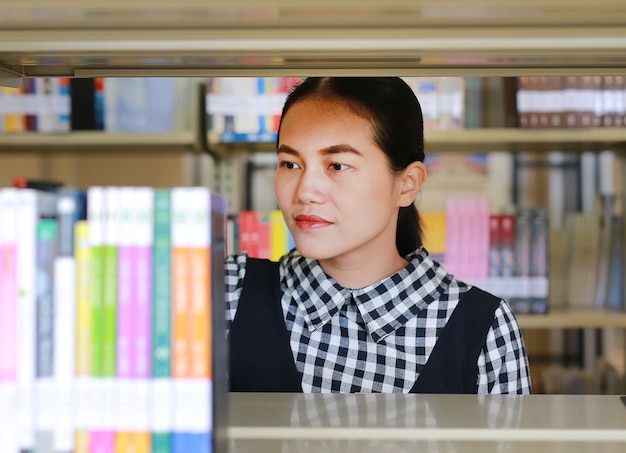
column 384, row 306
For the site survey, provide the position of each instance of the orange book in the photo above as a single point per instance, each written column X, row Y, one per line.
column 180, row 283
column 199, row 310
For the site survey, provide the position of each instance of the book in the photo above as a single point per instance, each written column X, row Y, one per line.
column 65, row 344
column 94, row 402
column 71, row 207
column 434, row 228
column 520, row 303
column 181, row 293
column 539, row 261
column 112, row 218
column 218, row 390
column 84, row 322
column 32, row 206
column 249, row 232
column 278, row 235
column 46, row 251
column 126, row 322
column 141, row 339
column 200, row 317
column 161, row 392
column 8, row 286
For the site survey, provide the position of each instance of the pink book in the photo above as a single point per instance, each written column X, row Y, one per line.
column 126, row 265
column 140, row 345
column 8, row 287
column 477, row 264
column 452, row 257
column 101, row 442
column 8, row 314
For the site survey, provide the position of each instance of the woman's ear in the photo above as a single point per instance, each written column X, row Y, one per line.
column 411, row 181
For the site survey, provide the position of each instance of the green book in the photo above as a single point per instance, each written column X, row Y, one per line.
column 161, row 316
column 109, row 301
column 95, row 213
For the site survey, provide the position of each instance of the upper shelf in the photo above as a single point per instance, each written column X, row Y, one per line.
column 88, row 38
column 466, row 140
column 488, row 140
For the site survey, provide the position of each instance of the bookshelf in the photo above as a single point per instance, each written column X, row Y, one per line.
column 192, row 38
column 98, row 141
column 275, row 37
column 479, row 140
column 487, row 140
column 573, row 319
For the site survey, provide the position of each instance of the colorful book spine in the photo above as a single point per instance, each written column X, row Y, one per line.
column 141, row 340
column 249, row 235
column 278, row 235
column 32, row 205
column 538, row 281
column 200, row 318
column 161, row 393
column 434, row 234
column 84, row 323
column 46, row 252
column 126, row 323
column 65, row 292
column 181, row 293
column 8, row 286
column 218, row 377
column 113, row 196
column 96, row 211
column 72, row 207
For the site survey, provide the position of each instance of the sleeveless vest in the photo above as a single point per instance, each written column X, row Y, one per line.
column 261, row 359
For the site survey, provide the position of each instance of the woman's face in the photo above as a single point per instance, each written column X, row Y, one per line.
column 334, row 186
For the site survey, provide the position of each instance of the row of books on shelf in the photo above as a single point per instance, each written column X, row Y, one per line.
column 248, row 109
column 138, row 104
column 571, row 101
column 504, row 253
column 107, row 302
column 41, row 104
column 239, row 109
column 516, row 255
column 520, row 257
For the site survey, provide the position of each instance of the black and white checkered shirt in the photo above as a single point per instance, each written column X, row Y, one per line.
column 378, row 338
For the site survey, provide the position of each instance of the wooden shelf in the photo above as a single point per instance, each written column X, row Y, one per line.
column 79, row 38
column 96, row 141
column 526, row 140
column 460, row 140
column 488, row 140
column 573, row 319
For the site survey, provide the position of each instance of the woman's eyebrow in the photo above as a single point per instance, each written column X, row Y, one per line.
column 333, row 149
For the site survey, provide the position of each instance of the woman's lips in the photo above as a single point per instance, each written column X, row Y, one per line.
column 311, row 222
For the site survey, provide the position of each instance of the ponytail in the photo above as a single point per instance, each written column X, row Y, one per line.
column 409, row 230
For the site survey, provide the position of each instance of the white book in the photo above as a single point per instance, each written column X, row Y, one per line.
column 64, row 357
column 32, row 205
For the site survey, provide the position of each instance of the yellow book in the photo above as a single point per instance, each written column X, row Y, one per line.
column 82, row 253
column 13, row 120
column 434, row 231
column 278, row 235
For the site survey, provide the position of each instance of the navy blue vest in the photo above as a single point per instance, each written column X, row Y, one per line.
column 261, row 359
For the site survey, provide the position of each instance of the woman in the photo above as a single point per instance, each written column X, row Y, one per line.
column 359, row 306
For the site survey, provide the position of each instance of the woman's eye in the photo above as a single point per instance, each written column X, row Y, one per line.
column 288, row 164
column 338, row 167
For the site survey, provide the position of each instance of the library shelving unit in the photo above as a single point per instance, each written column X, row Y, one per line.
column 191, row 38
column 200, row 38
column 86, row 141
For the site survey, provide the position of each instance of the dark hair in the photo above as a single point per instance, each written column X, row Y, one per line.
column 397, row 124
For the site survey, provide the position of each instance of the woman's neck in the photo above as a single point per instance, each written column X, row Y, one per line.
column 356, row 273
